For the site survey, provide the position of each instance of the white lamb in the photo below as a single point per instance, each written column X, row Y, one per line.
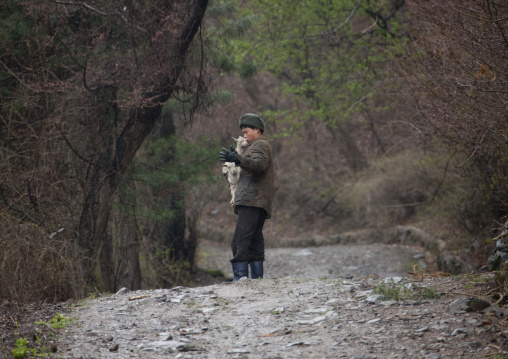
column 231, row 171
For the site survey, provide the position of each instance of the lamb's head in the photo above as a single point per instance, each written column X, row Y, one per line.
column 241, row 144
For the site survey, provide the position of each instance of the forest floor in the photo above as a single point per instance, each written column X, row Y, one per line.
column 316, row 302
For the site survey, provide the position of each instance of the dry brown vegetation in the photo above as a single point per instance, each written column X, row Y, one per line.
column 433, row 157
column 83, row 85
column 456, row 73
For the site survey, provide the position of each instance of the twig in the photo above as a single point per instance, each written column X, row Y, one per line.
column 494, row 346
column 421, row 275
column 493, row 290
column 115, row 12
column 328, row 33
column 466, row 294
column 502, row 235
column 500, row 299
column 467, row 159
column 375, row 22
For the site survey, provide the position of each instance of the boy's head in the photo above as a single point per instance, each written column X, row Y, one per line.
column 253, row 121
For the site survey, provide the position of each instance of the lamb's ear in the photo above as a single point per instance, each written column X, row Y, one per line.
column 235, row 139
column 224, row 165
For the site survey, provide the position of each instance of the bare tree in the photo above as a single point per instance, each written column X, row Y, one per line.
column 84, row 83
column 457, row 72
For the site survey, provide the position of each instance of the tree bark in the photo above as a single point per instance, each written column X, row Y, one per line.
column 128, row 273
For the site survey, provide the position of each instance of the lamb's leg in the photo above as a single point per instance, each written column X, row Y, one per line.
column 233, row 190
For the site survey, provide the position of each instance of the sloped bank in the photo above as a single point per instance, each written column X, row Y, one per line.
column 444, row 260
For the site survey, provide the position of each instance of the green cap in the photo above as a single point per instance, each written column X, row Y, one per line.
column 252, row 120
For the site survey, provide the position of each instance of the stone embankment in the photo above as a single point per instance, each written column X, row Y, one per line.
column 313, row 316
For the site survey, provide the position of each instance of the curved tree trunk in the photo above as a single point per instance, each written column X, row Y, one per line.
column 110, row 165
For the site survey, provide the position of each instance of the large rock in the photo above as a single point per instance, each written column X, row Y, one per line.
column 468, row 305
column 500, row 252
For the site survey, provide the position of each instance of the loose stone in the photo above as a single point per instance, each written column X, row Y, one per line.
column 265, row 319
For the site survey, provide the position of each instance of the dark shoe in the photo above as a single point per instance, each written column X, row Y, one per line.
column 256, row 270
column 240, row 269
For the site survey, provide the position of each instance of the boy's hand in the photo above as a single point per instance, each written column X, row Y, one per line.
column 229, row 156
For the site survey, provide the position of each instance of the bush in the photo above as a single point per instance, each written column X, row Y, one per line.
column 38, row 267
column 404, row 188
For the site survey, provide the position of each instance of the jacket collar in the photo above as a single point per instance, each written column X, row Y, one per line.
column 260, row 138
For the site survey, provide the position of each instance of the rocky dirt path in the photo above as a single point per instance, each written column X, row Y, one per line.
column 340, row 261
column 306, row 307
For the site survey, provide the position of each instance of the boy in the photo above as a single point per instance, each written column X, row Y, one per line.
column 253, row 198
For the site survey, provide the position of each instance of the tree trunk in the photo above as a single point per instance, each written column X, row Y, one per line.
column 128, row 268
column 110, row 165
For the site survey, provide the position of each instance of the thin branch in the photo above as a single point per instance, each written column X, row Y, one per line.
column 434, row 194
column 115, row 12
column 345, row 22
column 467, row 159
column 75, row 151
column 377, row 19
column 500, row 236
column 443, row 178
column 328, row 33
column 85, row 5
column 501, row 298
column 20, row 80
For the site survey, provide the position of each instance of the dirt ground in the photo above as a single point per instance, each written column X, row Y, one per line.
column 17, row 320
column 292, row 317
column 320, row 261
column 293, row 268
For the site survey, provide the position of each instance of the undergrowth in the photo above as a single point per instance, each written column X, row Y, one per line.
column 402, row 292
column 40, row 348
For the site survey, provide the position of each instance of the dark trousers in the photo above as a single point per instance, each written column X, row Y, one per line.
column 248, row 244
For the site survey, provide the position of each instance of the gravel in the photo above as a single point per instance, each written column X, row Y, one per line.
column 319, row 302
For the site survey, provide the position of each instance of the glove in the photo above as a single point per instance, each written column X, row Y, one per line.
column 229, row 156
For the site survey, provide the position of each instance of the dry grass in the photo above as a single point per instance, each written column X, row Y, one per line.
column 406, row 188
column 33, row 265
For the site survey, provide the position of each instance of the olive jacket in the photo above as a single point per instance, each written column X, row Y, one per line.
column 256, row 184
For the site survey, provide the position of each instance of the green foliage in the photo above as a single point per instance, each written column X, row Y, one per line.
column 216, row 273
column 392, row 291
column 59, row 322
column 170, row 165
column 225, row 26
column 14, row 28
column 336, row 282
column 173, row 271
column 327, row 53
column 21, row 349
